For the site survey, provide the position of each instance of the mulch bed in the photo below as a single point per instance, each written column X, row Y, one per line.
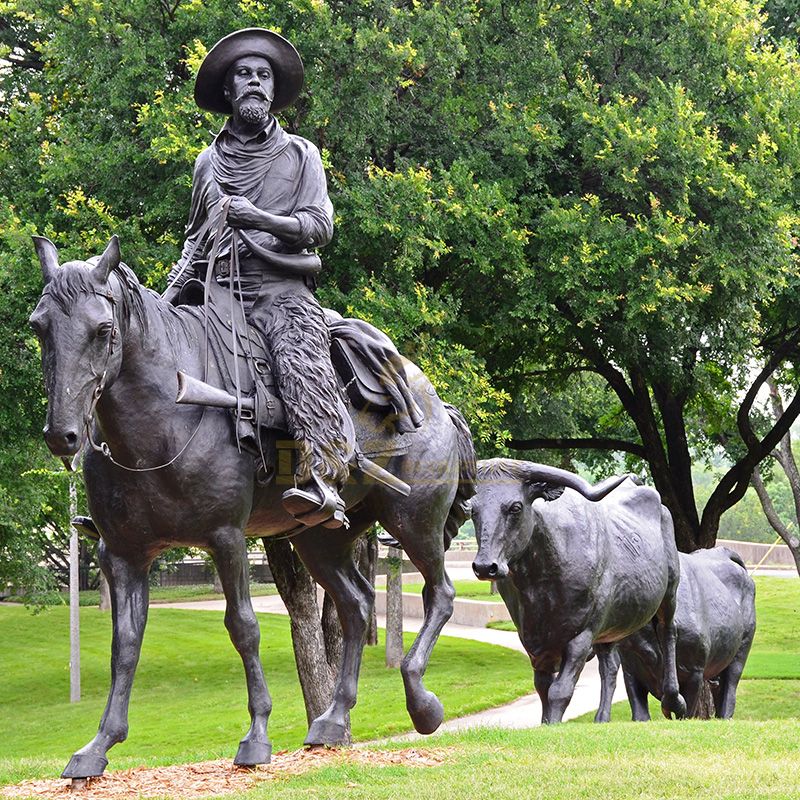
column 209, row 778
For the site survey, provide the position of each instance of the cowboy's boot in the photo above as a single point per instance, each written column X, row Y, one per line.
column 316, row 503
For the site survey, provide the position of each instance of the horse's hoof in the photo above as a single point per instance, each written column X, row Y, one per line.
column 327, row 732
column 675, row 705
column 252, row 752
column 428, row 715
column 85, row 765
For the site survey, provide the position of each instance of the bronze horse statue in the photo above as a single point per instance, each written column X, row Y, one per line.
column 111, row 350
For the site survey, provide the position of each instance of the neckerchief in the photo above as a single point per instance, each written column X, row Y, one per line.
column 239, row 167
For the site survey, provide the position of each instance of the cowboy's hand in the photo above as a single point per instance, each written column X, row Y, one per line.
column 243, row 214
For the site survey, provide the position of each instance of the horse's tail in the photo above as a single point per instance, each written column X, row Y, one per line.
column 467, row 476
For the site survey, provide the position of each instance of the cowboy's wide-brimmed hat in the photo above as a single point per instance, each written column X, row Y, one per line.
column 285, row 60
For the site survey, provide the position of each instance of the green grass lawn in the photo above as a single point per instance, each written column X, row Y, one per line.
column 465, row 590
column 175, row 594
column 189, row 698
column 189, row 704
column 658, row 761
column 770, row 686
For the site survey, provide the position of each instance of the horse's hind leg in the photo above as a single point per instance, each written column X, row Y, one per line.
column 229, row 551
column 129, row 588
column 420, row 531
column 328, row 556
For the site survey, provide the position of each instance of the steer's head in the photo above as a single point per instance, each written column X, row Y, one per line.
column 503, row 515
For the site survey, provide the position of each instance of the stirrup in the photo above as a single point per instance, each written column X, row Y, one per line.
column 316, row 506
column 86, row 526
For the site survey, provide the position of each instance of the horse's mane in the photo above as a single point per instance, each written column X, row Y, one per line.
column 135, row 302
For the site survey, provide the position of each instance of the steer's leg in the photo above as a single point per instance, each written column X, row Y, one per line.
column 671, row 700
column 229, row 551
column 608, row 663
column 725, row 697
column 328, row 556
column 129, row 588
column 542, row 681
column 637, row 697
column 693, row 687
column 574, row 658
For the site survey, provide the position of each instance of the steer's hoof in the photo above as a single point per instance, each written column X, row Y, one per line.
column 85, row 765
column 427, row 715
column 327, row 732
column 673, row 705
column 253, row 752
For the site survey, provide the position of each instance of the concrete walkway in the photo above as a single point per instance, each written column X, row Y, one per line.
column 525, row 712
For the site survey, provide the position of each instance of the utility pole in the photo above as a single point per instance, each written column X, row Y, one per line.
column 394, row 607
column 74, row 599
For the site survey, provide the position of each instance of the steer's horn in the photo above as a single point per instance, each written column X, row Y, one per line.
column 48, row 256
column 543, row 473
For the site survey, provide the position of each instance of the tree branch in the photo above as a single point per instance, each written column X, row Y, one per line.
column 743, row 414
column 587, row 443
column 769, row 508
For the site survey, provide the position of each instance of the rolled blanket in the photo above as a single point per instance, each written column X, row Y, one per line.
column 374, row 362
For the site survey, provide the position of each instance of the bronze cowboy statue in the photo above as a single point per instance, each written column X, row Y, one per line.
column 273, row 186
column 243, row 331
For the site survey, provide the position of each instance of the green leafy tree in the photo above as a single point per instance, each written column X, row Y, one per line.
column 662, row 239
column 539, row 191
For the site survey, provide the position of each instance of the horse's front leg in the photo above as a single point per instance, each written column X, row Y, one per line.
column 229, row 551
column 129, row 587
column 418, row 525
column 328, row 556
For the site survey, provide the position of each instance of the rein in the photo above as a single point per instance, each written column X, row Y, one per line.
column 219, row 221
column 103, row 447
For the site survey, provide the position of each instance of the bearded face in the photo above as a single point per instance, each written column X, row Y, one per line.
column 250, row 88
column 252, row 110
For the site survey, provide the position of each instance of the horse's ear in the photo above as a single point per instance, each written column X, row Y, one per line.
column 48, row 256
column 108, row 261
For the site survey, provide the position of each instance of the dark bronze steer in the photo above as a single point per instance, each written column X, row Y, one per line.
column 580, row 574
column 716, row 622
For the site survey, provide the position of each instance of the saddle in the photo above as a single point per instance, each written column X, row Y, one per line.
column 368, row 368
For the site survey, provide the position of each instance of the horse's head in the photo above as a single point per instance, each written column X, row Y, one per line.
column 78, row 328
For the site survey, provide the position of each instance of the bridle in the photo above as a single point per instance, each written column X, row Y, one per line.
column 103, row 447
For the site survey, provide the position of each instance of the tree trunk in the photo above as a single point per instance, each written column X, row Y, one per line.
column 705, row 703
column 299, row 593
column 682, row 508
column 394, row 608
column 367, row 565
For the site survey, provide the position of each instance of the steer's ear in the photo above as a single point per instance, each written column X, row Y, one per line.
column 48, row 256
column 108, row 261
column 547, row 491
